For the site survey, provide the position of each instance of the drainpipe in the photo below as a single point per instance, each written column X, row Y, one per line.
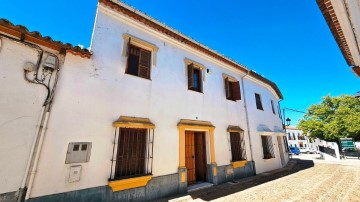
column 36, row 155
column 247, row 120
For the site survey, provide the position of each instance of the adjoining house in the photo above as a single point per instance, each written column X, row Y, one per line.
column 342, row 18
column 146, row 114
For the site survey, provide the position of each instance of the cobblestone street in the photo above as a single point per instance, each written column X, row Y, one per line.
column 306, row 181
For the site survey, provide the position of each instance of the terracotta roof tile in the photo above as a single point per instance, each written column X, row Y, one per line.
column 21, row 32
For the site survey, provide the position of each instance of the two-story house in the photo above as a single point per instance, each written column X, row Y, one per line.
column 146, row 114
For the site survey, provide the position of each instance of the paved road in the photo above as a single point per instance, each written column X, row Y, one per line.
column 307, row 181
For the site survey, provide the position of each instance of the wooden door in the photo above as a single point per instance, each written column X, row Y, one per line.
column 190, row 157
column 200, row 156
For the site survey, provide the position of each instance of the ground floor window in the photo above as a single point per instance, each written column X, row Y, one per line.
column 134, row 153
column 237, row 144
column 286, row 144
column 268, row 149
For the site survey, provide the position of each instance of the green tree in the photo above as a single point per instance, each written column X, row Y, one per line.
column 333, row 118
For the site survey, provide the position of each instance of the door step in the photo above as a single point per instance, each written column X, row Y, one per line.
column 199, row 186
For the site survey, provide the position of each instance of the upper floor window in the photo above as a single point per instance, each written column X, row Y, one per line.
column 232, row 89
column 194, row 78
column 258, row 101
column 272, row 107
column 139, row 62
column 141, row 55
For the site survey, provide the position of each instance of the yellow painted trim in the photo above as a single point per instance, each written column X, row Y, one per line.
column 133, row 122
column 130, row 183
column 181, row 147
column 196, row 125
column 183, row 177
column 238, row 164
column 133, row 125
column 215, row 171
column 212, row 146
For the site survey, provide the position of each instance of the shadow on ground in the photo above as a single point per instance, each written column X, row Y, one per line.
column 243, row 184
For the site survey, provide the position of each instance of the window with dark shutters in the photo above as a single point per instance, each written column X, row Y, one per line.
column 237, row 144
column 232, row 89
column 258, row 101
column 194, row 78
column 139, row 61
column 236, row 90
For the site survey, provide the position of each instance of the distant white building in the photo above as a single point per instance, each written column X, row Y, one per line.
column 296, row 138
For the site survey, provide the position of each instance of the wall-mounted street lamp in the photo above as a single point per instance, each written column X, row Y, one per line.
column 288, row 121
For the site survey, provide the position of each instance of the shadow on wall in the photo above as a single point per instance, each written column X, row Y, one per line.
column 225, row 189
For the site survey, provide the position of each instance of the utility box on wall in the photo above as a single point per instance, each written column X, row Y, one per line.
column 75, row 173
column 78, row 152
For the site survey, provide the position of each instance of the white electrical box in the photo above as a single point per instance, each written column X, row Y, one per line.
column 78, row 152
column 75, row 173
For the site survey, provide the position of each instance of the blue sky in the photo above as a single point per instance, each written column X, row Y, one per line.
column 287, row 42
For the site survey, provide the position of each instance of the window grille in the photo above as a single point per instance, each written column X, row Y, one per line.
column 286, row 144
column 268, row 149
column 134, row 153
column 237, row 142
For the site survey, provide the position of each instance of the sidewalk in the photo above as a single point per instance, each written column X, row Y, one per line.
column 221, row 190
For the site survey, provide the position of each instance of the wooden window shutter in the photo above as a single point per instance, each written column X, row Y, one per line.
column 236, row 94
column 227, row 88
column 128, row 47
column 200, row 81
column 144, row 64
column 190, row 76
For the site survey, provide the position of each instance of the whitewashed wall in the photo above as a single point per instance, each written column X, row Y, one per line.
column 263, row 117
column 20, row 108
column 93, row 93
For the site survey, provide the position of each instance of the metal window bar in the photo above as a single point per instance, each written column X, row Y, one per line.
column 270, row 146
column 238, row 150
column 132, row 153
column 286, row 144
column 268, row 149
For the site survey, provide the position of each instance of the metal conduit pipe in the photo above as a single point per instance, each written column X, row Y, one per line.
column 247, row 120
column 37, row 154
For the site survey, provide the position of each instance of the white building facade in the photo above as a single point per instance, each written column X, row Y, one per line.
column 146, row 115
